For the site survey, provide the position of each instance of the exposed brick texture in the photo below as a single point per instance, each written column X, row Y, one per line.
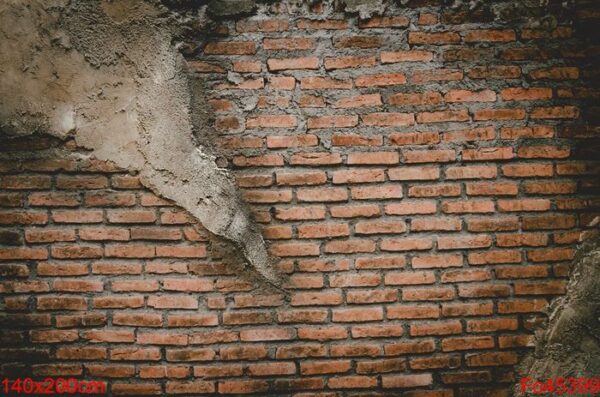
column 420, row 177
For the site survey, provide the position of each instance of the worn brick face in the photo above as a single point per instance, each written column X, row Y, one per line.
column 422, row 177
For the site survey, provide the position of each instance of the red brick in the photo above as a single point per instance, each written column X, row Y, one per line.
column 411, row 208
column 494, row 257
column 356, row 350
column 428, row 294
column 297, row 43
column 350, row 246
column 380, row 80
column 491, row 359
column 427, row 76
column 300, row 213
column 414, row 138
column 358, row 101
column 267, row 160
column 470, row 96
column 81, row 182
column 271, row 121
column 483, row 290
column 282, row 142
column 467, row 343
column 354, row 280
column 437, row 261
column 332, row 122
column 406, row 381
column 435, row 224
column 489, row 35
column 499, row 114
column 472, row 134
column 325, row 24
column 471, row 206
column 324, row 367
column 466, row 242
column 323, row 333
column 355, row 140
column 47, row 235
column 495, row 72
column 324, row 83
column 527, row 132
column 557, row 287
column 380, row 366
column 414, row 173
column 527, row 170
column 406, row 56
column 377, row 331
column 548, row 222
column 316, row 299
column 492, row 189
column 347, row 62
column 492, row 325
column 293, row 63
column 406, row 244
column 435, row 362
column 466, row 309
column 377, row 227
column 23, row 182
column 304, row 178
column 555, row 73
column 357, row 315
column 526, row 94
column 429, row 156
column 437, row 38
column 409, row 347
column 404, row 312
column 395, row 21
column 81, row 353
column 487, row 154
column 438, row 328
column 172, row 302
column 443, row 116
column 358, row 176
column 327, row 194
column 443, row 190
column 268, row 196
column 415, row 98
column 522, row 306
column 409, row 278
column 23, row 253
column 544, row 152
column 323, row 230
column 376, row 192
column 388, row 119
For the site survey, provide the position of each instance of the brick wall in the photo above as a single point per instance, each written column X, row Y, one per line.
column 424, row 177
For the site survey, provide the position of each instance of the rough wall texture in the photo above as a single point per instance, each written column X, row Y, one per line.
column 424, row 177
column 108, row 74
column 569, row 347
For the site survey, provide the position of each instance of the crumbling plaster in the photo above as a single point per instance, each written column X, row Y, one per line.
column 570, row 345
column 107, row 74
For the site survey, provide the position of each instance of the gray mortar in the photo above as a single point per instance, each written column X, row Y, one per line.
column 107, row 74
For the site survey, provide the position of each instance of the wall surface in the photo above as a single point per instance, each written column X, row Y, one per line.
column 423, row 178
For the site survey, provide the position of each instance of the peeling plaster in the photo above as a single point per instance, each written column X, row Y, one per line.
column 570, row 345
column 107, row 74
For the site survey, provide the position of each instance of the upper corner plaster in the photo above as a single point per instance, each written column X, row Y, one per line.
column 107, row 74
